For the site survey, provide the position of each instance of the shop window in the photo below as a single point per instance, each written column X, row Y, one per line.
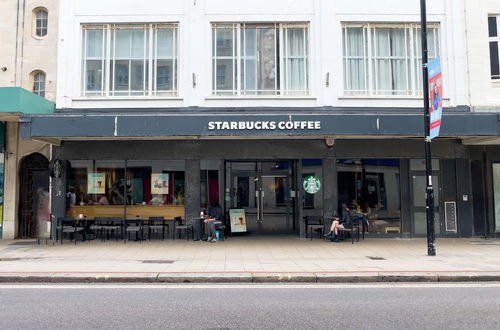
column 494, row 39
column 385, row 59
column 155, row 182
column 37, row 79
column 371, row 187
column 40, row 22
column 130, row 60
column 114, row 188
column 260, row 58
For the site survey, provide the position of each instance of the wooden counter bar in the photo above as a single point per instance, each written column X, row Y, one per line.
column 143, row 211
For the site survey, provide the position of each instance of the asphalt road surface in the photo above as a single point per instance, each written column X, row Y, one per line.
column 378, row 306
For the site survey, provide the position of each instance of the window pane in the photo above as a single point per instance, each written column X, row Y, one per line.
column 492, row 26
column 495, row 70
column 224, row 75
column 164, row 75
column 165, row 40
column 93, row 44
column 93, row 75
column 296, row 59
column 122, row 44
column 137, row 75
column 355, row 60
column 154, row 182
column 41, row 23
column 121, row 70
column 224, row 42
column 262, row 41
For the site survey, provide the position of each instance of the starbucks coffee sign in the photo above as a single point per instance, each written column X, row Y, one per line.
column 311, row 184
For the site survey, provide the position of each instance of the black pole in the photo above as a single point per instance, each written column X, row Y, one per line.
column 429, row 192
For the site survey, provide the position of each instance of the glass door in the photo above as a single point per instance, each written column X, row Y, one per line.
column 265, row 195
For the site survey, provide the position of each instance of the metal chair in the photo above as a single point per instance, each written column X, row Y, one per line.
column 180, row 225
column 113, row 226
column 354, row 229
column 99, row 227
column 157, row 223
column 133, row 226
column 314, row 223
column 66, row 225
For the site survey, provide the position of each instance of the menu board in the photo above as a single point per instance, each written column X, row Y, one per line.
column 237, row 220
column 450, row 215
column 159, row 183
column 96, row 183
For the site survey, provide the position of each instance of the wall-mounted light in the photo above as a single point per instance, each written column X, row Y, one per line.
column 194, row 80
column 327, row 80
column 3, row 68
column 329, row 141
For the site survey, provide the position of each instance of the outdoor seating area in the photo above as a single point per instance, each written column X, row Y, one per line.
column 116, row 228
column 83, row 228
column 317, row 225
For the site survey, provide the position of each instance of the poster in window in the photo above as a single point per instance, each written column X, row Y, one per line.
column 237, row 220
column 159, row 183
column 96, row 183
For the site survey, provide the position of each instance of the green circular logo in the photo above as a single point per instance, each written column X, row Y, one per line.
column 311, row 184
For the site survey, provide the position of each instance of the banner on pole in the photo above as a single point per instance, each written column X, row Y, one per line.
column 436, row 96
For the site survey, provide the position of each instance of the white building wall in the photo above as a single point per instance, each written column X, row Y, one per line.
column 195, row 16
column 484, row 92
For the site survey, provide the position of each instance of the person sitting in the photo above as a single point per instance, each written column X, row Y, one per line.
column 364, row 210
column 101, row 200
column 344, row 222
column 157, row 199
column 216, row 219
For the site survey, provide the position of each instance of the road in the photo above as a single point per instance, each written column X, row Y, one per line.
column 356, row 306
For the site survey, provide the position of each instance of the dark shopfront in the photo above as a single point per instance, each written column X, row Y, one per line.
column 263, row 172
column 265, row 178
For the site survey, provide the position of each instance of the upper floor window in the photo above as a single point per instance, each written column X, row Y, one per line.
column 494, row 39
column 40, row 22
column 385, row 59
column 260, row 59
column 37, row 79
column 130, row 59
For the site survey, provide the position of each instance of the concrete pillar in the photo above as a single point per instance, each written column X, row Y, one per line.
column 11, row 181
column 330, row 188
column 300, row 200
column 192, row 191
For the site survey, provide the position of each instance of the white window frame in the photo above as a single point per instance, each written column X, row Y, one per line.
column 36, row 19
column 150, row 58
column 239, row 42
column 412, row 58
column 38, row 82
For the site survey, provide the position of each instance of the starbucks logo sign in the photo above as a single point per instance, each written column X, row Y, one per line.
column 311, row 184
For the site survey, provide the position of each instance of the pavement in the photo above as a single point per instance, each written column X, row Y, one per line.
column 250, row 259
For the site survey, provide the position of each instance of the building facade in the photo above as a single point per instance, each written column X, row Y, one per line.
column 27, row 84
column 284, row 109
column 483, row 80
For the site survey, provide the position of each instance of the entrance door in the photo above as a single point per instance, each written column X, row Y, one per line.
column 419, row 206
column 266, row 199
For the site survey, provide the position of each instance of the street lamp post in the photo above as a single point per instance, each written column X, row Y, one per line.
column 429, row 191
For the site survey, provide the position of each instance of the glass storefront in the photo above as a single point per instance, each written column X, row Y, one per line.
column 372, row 187
column 118, row 188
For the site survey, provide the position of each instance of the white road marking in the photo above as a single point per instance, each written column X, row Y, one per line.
column 252, row 286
